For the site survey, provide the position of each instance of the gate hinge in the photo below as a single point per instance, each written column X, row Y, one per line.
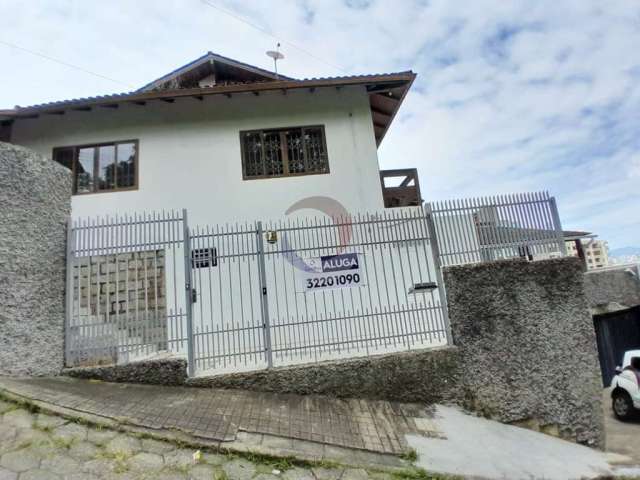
column 264, row 290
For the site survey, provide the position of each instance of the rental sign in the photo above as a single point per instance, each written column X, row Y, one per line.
column 330, row 271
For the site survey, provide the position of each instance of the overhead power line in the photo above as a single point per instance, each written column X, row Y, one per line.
column 66, row 64
column 267, row 32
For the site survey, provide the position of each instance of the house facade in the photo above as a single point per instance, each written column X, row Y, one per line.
column 322, row 269
column 225, row 140
column 227, row 143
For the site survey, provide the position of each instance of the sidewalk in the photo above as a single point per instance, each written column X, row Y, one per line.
column 372, row 435
column 311, row 427
column 37, row 446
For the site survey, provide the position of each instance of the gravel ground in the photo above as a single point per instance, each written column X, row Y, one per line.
column 36, row 446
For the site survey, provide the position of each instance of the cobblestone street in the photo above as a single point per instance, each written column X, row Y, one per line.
column 36, row 446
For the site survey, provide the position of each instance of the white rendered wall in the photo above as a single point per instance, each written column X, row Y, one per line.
column 190, row 157
column 190, row 153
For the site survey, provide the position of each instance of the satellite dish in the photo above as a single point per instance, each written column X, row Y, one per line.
column 276, row 55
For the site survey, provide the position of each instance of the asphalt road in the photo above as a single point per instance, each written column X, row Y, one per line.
column 621, row 437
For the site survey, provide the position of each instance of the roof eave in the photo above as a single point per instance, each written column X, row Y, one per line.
column 400, row 101
column 216, row 90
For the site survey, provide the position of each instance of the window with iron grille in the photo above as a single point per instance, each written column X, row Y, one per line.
column 101, row 167
column 284, row 152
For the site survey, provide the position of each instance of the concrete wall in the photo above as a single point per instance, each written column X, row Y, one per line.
column 118, row 300
column 189, row 153
column 527, row 345
column 525, row 353
column 35, row 199
column 610, row 290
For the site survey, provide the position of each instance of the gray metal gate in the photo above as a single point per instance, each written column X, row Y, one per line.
column 299, row 290
column 252, row 311
column 126, row 288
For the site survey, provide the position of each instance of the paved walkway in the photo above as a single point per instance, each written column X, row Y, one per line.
column 43, row 447
column 221, row 415
column 476, row 447
column 362, row 434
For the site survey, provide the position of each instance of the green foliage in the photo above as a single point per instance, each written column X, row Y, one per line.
column 421, row 474
column 62, row 443
column 411, row 455
column 118, row 458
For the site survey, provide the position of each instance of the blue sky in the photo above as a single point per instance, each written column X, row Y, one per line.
column 511, row 95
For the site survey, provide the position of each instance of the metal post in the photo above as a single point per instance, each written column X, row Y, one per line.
column 188, row 293
column 558, row 226
column 263, row 287
column 69, row 292
column 435, row 251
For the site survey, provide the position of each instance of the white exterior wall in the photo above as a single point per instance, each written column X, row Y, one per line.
column 189, row 153
column 190, row 157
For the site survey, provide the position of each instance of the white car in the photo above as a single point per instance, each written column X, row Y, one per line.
column 625, row 386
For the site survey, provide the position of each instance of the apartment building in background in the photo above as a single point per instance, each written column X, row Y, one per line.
column 596, row 252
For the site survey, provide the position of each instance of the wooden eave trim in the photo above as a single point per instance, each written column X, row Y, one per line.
column 399, row 101
column 226, row 90
column 379, row 111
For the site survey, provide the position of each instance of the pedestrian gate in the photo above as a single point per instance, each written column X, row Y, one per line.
column 256, row 295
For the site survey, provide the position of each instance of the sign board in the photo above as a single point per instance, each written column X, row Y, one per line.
column 329, row 272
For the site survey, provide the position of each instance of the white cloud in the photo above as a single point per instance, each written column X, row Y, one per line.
column 510, row 96
column 634, row 167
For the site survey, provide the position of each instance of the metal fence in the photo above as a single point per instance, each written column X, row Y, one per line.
column 485, row 229
column 125, row 288
column 300, row 290
column 242, row 297
column 262, row 303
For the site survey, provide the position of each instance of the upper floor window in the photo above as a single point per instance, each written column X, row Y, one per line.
column 101, row 167
column 284, row 152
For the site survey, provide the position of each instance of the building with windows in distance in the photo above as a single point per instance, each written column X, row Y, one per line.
column 596, row 252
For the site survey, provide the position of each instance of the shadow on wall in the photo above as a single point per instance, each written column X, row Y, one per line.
column 35, row 194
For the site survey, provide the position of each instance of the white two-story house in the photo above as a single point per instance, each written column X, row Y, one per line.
column 228, row 142
column 223, row 139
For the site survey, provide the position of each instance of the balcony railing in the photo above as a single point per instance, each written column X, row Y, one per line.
column 400, row 187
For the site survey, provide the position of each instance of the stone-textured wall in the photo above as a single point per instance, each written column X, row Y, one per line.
column 158, row 371
column 35, row 203
column 612, row 290
column 525, row 353
column 527, row 345
column 428, row 376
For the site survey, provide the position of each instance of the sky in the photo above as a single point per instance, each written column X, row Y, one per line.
column 511, row 95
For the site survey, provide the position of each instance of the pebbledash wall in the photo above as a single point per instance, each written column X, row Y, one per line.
column 525, row 353
column 35, row 205
column 527, row 345
column 613, row 289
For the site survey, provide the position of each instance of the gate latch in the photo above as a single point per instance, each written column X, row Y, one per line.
column 264, row 290
column 423, row 287
column 194, row 295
